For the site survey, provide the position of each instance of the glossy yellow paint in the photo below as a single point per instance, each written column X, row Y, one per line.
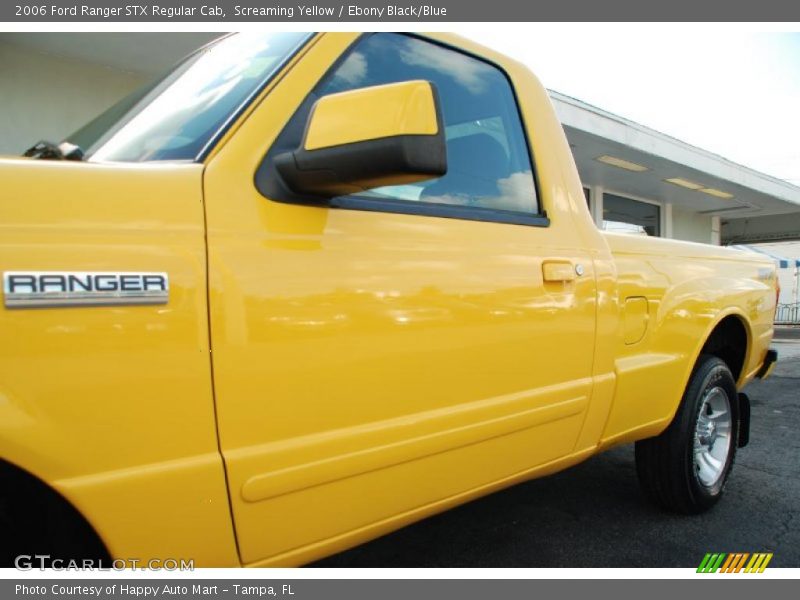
column 689, row 289
column 363, row 359
column 636, row 316
column 374, row 368
column 113, row 406
column 381, row 111
column 369, row 368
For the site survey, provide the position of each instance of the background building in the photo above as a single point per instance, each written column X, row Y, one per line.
column 636, row 179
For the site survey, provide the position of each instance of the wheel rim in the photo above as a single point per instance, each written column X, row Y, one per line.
column 712, row 437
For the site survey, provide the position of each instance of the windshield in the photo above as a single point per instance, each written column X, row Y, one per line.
column 180, row 115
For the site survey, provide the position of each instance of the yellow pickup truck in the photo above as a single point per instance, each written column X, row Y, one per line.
column 306, row 289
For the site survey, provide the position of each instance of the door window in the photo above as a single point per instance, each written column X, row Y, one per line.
column 488, row 163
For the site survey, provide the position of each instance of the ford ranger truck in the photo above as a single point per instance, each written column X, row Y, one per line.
column 304, row 290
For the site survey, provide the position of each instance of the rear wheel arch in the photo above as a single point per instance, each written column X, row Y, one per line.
column 37, row 519
column 729, row 340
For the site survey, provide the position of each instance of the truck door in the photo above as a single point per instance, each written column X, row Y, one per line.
column 388, row 353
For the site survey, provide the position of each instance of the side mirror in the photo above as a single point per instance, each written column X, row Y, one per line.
column 367, row 138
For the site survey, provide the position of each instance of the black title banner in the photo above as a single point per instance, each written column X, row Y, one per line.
column 143, row 11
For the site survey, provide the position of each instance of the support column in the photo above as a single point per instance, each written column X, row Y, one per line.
column 597, row 205
column 667, row 213
column 716, row 228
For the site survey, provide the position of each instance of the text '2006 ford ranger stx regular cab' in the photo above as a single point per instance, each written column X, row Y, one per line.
column 306, row 289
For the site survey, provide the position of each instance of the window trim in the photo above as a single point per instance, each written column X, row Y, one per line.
column 413, row 207
column 433, row 209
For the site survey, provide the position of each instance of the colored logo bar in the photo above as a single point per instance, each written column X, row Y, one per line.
column 737, row 562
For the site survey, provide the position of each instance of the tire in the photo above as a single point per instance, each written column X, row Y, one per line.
column 35, row 520
column 685, row 469
column 8, row 535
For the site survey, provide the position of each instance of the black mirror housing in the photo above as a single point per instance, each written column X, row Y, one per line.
column 366, row 138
